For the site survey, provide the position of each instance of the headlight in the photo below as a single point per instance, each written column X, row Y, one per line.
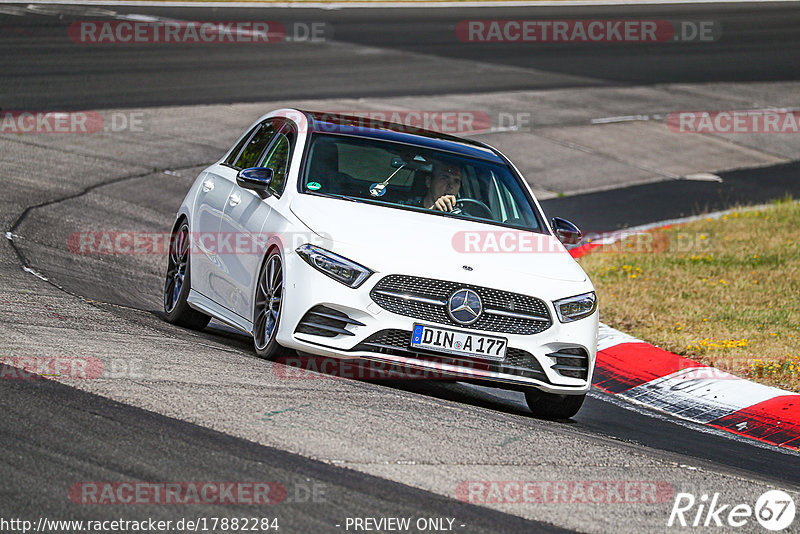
column 574, row 308
column 340, row 269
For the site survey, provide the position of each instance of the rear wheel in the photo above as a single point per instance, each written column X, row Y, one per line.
column 552, row 405
column 178, row 283
column 267, row 309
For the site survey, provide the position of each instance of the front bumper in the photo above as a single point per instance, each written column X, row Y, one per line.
column 530, row 360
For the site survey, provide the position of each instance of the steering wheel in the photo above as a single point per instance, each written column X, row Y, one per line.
column 461, row 208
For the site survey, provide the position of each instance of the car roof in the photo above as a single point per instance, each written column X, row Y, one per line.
column 336, row 123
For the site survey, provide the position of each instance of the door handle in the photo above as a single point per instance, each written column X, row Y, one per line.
column 235, row 198
column 208, row 185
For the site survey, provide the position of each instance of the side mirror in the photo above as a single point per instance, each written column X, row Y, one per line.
column 566, row 232
column 255, row 178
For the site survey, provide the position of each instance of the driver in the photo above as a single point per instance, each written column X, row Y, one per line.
column 443, row 186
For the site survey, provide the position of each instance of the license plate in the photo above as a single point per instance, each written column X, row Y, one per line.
column 457, row 342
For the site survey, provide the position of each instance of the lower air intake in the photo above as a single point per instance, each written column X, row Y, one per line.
column 325, row 322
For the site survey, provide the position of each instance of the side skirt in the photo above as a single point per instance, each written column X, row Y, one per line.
column 204, row 304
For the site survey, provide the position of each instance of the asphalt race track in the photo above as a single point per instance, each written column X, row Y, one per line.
column 642, row 204
column 760, row 44
column 202, row 407
column 175, row 450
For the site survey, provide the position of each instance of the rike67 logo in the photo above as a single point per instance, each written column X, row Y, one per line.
column 774, row 510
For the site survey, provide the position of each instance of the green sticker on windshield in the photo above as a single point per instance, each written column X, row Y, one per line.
column 313, row 186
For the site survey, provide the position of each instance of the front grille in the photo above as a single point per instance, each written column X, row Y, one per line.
column 426, row 299
column 398, row 343
column 572, row 362
column 326, row 322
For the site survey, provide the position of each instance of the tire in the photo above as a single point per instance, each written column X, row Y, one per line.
column 553, row 406
column 267, row 308
column 178, row 282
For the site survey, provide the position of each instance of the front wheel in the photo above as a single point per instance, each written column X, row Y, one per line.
column 552, row 405
column 267, row 309
column 178, row 283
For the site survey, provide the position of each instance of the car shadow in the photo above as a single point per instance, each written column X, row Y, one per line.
column 472, row 394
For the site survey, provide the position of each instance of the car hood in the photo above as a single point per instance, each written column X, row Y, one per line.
column 390, row 240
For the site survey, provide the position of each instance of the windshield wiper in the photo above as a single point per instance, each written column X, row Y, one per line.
column 337, row 195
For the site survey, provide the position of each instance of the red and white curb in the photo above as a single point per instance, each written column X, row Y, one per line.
column 644, row 374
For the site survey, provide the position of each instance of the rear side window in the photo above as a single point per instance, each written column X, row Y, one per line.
column 248, row 152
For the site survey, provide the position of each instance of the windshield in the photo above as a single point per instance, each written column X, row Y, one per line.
column 417, row 178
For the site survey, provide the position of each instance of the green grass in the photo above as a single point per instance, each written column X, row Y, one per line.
column 722, row 291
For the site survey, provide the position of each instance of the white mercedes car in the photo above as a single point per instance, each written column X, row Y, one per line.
column 340, row 237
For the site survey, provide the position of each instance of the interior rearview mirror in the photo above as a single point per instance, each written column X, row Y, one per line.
column 410, row 162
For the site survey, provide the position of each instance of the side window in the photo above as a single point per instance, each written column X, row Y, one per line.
column 232, row 157
column 513, row 212
column 256, row 145
column 279, row 156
